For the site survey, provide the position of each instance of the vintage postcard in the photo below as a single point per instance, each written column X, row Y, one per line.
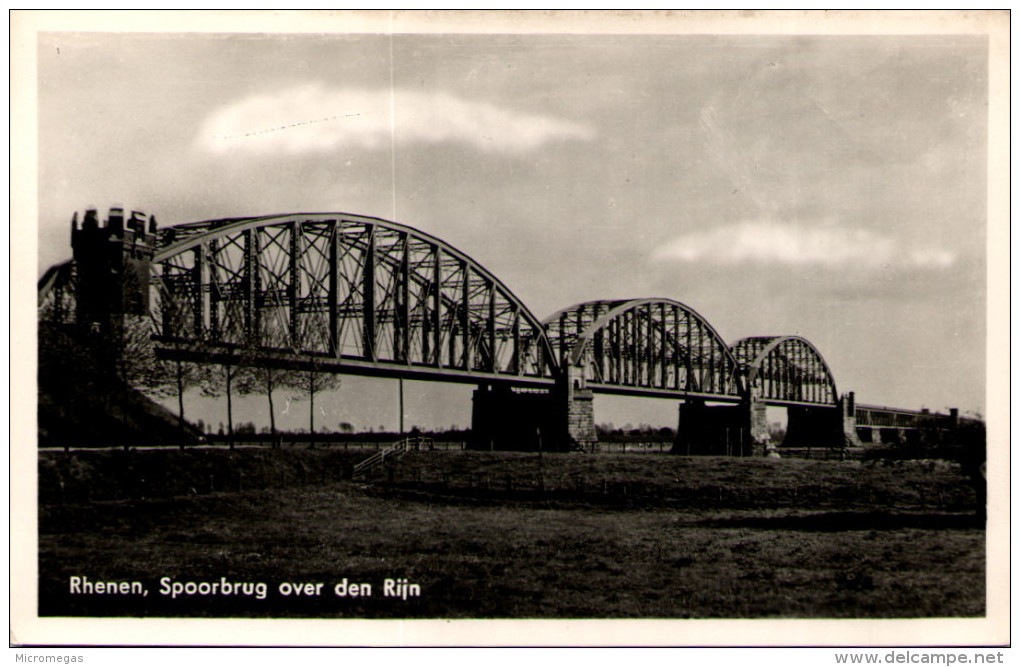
column 510, row 328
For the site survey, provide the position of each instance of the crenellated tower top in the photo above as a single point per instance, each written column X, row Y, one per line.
column 112, row 260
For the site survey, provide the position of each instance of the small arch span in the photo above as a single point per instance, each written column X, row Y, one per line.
column 644, row 346
column 785, row 370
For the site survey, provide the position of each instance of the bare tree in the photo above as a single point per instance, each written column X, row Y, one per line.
column 310, row 382
column 263, row 379
column 222, row 380
column 139, row 366
column 314, row 377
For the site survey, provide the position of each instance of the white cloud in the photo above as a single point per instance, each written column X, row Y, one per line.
column 314, row 119
column 798, row 244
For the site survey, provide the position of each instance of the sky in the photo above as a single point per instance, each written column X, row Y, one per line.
column 827, row 187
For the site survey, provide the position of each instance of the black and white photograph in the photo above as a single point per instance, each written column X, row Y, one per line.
column 664, row 319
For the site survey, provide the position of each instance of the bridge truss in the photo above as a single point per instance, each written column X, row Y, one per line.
column 361, row 295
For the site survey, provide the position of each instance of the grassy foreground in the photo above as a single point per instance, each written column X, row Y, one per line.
column 490, row 535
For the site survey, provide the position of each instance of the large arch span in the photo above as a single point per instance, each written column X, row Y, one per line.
column 343, row 292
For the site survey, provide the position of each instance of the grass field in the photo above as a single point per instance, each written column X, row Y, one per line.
column 489, row 535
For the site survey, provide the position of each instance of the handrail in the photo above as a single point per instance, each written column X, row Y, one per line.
column 396, row 449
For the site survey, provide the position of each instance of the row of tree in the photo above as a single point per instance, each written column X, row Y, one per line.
column 241, row 374
column 607, row 432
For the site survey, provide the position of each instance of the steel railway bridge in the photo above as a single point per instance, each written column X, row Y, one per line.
column 351, row 294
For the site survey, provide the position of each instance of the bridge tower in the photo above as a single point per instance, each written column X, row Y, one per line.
column 112, row 261
column 86, row 396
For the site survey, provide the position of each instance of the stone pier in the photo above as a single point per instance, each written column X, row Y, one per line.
column 721, row 430
column 558, row 419
column 832, row 427
column 742, row 429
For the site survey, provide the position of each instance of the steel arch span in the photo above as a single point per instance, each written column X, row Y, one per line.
column 656, row 347
column 344, row 292
column 785, row 370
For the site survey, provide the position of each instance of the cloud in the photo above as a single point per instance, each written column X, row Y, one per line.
column 314, row 119
column 767, row 242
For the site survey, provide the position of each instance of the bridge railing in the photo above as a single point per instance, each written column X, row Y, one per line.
column 882, row 416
